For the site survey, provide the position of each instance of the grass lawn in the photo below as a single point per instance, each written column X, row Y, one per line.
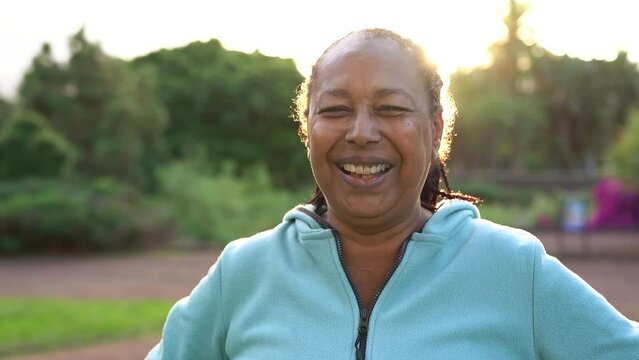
column 37, row 324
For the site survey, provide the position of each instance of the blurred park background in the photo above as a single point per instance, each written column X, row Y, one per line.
column 120, row 179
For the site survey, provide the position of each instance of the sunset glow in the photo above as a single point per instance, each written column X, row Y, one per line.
column 456, row 34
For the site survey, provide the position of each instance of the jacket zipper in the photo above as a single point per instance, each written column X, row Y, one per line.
column 365, row 313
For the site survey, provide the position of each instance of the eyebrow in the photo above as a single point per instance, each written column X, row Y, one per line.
column 392, row 91
column 343, row 93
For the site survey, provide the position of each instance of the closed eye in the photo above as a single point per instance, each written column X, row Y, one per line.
column 391, row 110
column 334, row 111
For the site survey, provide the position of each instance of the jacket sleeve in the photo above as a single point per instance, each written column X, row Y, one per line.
column 194, row 328
column 572, row 321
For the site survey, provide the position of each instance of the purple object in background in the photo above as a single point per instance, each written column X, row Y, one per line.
column 616, row 207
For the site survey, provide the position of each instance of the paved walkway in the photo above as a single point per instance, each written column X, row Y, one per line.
column 612, row 269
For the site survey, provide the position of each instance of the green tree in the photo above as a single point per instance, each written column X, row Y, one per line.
column 503, row 124
column 511, row 54
column 45, row 88
column 624, row 155
column 498, row 111
column 5, row 110
column 587, row 104
column 29, row 147
column 531, row 109
column 227, row 105
column 103, row 107
column 129, row 137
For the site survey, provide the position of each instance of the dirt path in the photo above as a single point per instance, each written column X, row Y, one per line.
column 612, row 269
column 163, row 275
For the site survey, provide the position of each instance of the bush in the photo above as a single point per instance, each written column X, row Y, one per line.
column 544, row 210
column 216, row 208
column 50, row 215
column 29, row 146
column 491, row 192
column 624, row 155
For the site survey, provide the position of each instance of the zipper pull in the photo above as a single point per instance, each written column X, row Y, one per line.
column 363, row 321
column 362, row 332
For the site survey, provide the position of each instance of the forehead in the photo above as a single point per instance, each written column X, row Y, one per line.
column 356, row 63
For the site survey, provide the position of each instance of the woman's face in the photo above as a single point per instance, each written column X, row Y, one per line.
column 371, row 136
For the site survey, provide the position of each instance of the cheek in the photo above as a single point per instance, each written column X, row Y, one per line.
column 314, row 139
column 417, row 152
column 322, row 134
column 417, row 134
column 320, row 140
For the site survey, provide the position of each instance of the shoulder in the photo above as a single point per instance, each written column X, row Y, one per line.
column 258, row 247
column 505, row 246
column 502, row 237
column 271, row 247
column 461, row 222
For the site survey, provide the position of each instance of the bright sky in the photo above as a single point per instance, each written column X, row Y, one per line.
column 455, row 33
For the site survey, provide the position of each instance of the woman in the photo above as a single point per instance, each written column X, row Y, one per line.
column 373, row 268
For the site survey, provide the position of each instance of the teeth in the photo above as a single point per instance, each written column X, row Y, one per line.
column 365, row 169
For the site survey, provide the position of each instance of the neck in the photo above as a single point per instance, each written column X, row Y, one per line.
column 371, row 233
column 370, row 251
column 376, row 247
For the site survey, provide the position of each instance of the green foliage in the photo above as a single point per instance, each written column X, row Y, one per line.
column 44, row 88
column 127, row 118
column 587, row 104
column 533, row 110
column 525, row 215
column 489, row 192
column 52, row 215
column 29, row 146
column 31, row 325
column 503, row 124
column 129, row 138
column 564, row 116
column 97, row 117
column 624, row 155
column 234, row 106
column 6, row 108
column 217, row 207
column 103, row 107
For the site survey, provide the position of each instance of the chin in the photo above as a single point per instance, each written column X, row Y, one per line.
column 364, row 208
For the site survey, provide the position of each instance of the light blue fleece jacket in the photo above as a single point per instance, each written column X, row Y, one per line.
column 465, row 289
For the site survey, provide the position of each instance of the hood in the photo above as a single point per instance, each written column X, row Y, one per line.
column 450, row 217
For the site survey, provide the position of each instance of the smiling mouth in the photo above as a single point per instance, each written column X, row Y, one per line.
column 365, row 171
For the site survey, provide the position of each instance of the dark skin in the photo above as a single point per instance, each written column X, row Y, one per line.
column 369, row 264
column 370, row 109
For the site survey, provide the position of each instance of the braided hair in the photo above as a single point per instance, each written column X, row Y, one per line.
column 431, row 192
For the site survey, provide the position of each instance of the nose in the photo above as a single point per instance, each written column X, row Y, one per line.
column 363, row 129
